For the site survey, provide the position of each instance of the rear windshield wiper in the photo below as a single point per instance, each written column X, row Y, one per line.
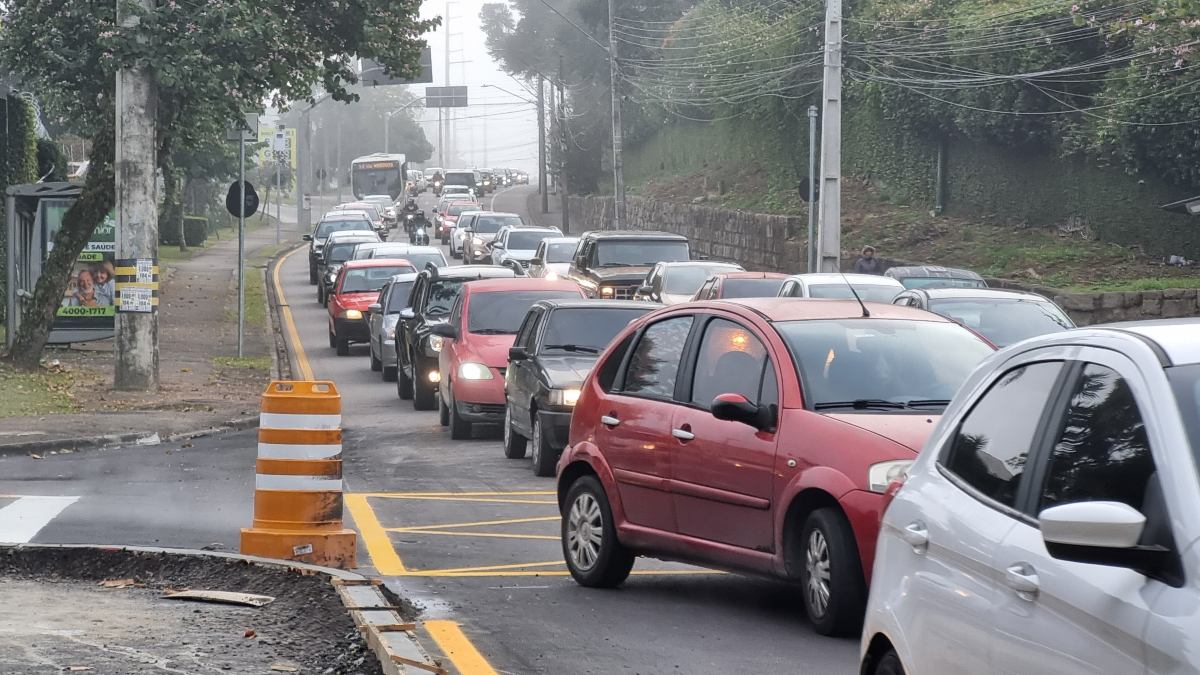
column 573, row 348
column 860, row 404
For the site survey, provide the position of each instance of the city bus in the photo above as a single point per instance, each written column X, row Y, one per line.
column 378, row 174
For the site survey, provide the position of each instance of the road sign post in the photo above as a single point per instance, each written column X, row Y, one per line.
column 246, row 130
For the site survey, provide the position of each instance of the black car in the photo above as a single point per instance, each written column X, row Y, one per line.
column 333, row 256
column 612, row 264
column 555, row 347
column 332, row 222
column 417, row 349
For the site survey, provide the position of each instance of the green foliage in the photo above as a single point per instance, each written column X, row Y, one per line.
column 51, row 161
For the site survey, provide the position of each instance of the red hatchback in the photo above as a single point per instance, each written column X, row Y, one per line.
column 730, row 285
column 355, row 289
column 758, row 435
column 482, row 327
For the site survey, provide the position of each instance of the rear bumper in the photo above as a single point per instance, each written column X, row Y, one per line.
column 556, row 427
column 354, row 330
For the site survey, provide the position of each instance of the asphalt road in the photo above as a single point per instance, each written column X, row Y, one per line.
column 466, row 534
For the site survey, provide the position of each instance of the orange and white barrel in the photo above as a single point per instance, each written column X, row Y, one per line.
column 298, row 481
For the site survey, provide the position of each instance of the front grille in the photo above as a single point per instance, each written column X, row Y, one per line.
column 620, row 292
column 496, row 409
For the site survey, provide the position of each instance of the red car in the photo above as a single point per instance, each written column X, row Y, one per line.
column 482, row 327
column 357, row 288
column 730, row 285
column 758, row 435
column 450, row 217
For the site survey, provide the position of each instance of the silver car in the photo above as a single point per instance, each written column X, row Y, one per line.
column 384, row 315
column 1049, row 523
column 552, row 259
column 484, row 228
column 869, row 287
column 520, row 244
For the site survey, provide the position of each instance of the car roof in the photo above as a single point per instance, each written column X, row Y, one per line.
column 344, row 215
column 1176, row 338
column 807, row 309
column 700, row 263
column 981, row 294
column 411, row 248
column 520, row 284
column 461, row 272
column 405, row 276
column 531, row 228
column 597, row 304
column 387, row 197
column 933, row 271
column 496, row 213
column 834, row 278
column 751, row 275
column 560, row 240
column 633, row 234
column 373, row 262
column 353, row 237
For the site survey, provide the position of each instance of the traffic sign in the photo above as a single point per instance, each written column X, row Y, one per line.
column 231, row 199
column 373, row 74
column 243, row 130
column 445, row 97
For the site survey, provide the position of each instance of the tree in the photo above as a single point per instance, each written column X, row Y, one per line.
column 210, row 60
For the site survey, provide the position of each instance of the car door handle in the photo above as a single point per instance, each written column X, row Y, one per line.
column 1022, row 579
column 609, row 421
column 683, row 434
column 916, row 535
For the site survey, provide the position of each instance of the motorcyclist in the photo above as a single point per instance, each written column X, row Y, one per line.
column 438, row 182
column 418, row 232
column 410, row 209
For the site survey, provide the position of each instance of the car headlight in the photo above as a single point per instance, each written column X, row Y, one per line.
column 436, row 342
column 477, row 241
column 564, row 397
column 880, row 475
column 352, row 315
column 391, row 333
column 606, row 291
column 474, row 371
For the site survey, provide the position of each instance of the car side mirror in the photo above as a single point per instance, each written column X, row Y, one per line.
column 444, row 330
column 408, row 313
column 517, row 354
column 1106, row 533
column 374, row 308
column 498, row 245
column 645, row 290
column 536, row 261
column 515, row 266
column 307, row 237
column 737, row 408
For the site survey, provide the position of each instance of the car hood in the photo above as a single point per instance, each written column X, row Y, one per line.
column 567, row 371
column 675, row 299
column 359, row 301
column 635, row 274
column 907, row 429
column 520, row 254
column 559, row 269
column 484, row 236
column 491, row 350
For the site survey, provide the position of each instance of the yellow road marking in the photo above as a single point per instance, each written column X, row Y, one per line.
column 375, row 538
column 462, row 653
column 477, row 523
column 405, row 495
column 515, row 566
column 494, row 535
column 289, row 324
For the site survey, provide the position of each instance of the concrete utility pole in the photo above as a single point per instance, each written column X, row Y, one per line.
column 241, row 271
column 562, row 146
column 304, row 168
column 444, row 140
column 551, row 152
column 618, row 161
column 137, row 222
column 810, row 265
column 829, row 237
column 541, row 104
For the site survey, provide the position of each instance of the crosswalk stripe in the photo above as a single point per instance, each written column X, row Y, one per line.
column 21, row 520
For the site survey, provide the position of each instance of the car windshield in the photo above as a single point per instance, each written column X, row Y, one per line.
column 751, row 288
column 881, row 364
column 339, row 252
column 398, row 298
column 941, row 282
column 382, row 201
column 328, row 227
column 460, row 178
column 686, row 280
column 368, row 279
column 640, row 252
column 1185, row 380
column 560, row 253
column 492, row 224
column 441, row 297
column 364, row 251
column 867, row 292
column 526, row 241
column 1004, row 322
column 586, row 331
column 418, row 258
column 372, row 210
column 501, row 312
column 457, row 209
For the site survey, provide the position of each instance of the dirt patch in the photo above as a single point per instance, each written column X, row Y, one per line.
column 53, row 615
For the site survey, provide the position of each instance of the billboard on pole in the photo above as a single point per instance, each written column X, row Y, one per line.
column 275, row 143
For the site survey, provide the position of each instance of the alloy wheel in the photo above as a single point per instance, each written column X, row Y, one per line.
column 816, row 561
column 585, row 531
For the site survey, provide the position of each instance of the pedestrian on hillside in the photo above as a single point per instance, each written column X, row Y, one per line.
column 867, row 263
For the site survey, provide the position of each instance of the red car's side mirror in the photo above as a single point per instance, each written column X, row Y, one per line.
column 737, row 408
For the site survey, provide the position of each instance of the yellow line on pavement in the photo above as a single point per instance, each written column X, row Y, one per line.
column 458, row 648
column 477, row 523
column 379, row 546
column 289, row 324
column 486, row 568
column 493, row 535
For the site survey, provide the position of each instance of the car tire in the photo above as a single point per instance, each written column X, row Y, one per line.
column 545, row 458
column 312, row 273
column 424, row 397
column 376, row 362
column 343, row 345
column 460, row 429
column 443, row 412
column 403, row 385
column 595, row 564
column 831, row 577
column 514, row 443
column 332, row 340
column 389, row 373
column 888, row 663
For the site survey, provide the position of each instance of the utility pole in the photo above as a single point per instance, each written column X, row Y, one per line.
column 338, row 162
column 137, row 222
column 810, row 265
column 618, row 162
column 304, row 168
column 441, row 143
column 551, row 153
column 278, row 192
column 241, row 272
column 444, row 141
column 829, row 236
column 562, row 146
column 541, row 104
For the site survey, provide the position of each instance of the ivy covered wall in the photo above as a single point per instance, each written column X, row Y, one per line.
column 18, row 164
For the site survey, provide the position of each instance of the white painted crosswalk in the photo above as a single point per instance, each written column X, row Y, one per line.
column 25, row 516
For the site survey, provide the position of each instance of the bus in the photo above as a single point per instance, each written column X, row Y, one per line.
column 378, row 174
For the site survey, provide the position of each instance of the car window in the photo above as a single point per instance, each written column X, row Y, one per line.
column 528, row 328
column 867, row 292
column 989, row 449
column 750, row 288
column 440, row 297
column 399, row 296
column 731, row 361
column 328, row 227
column 367, row 279
column 579, row 330
column 492, row 224
column 640, row 252
column 519, row 240
column 501, row 312
column 687, row 279
column 559, row 252
column 1102, row 452
column 1004, row 322
column 654, row 364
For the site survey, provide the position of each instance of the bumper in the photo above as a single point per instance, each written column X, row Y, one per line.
column 388, row 353
column 556, row 427
column 864, row 510
column 481, row 392
column 355, row 330
column 423, row 367
column 480, row 413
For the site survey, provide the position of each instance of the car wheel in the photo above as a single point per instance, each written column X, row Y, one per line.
column 589, row 538
column 332, row 340
column 888, row 664
column 376, row 362
column 423, row 395
column 403, row 381
column 831, row 574
column 343, row 345
column 514, row 443
column 455, row 254
column 443, row 412
column 312, row 274
column 460, row 429
column 544, row 456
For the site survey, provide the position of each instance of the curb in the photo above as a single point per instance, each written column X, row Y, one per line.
column 390, row 637
column 147, row 438
column 281, row 358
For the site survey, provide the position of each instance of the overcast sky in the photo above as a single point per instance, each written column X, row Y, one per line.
column 489, row 133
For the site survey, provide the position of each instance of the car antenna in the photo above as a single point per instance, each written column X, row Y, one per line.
column 866, row 313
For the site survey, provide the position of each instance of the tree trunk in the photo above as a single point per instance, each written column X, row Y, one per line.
column 95, row 202
column 170, row 214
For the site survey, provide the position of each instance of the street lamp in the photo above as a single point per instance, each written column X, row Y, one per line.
column 1185, row 206
column 387, row 122
column 513, row 94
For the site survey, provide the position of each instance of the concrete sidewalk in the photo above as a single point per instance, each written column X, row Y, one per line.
column 202, row 384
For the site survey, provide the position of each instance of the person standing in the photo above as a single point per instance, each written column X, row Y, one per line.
column 867, row 263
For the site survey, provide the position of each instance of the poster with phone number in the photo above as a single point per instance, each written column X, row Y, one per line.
column 91, row 289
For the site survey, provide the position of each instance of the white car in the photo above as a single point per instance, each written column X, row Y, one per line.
column 870, row 288
column 520, row 243
column 459, row 234
column 552, row 259
column 1049, row 524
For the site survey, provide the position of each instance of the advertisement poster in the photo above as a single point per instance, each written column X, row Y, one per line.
column 89, row 301
column 277, row 143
